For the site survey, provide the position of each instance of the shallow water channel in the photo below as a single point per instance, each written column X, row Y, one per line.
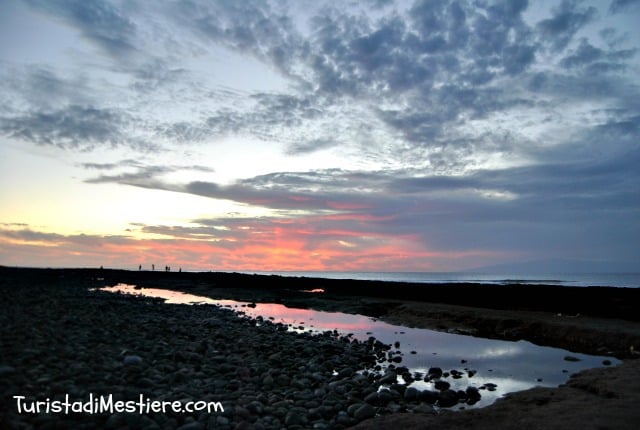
column 496, row 367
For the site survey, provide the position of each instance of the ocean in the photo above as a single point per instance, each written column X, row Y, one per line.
column 621, row 280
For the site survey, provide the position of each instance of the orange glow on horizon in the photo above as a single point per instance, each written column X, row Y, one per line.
column 292, row 244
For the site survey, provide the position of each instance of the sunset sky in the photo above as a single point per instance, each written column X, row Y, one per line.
column 307, row 135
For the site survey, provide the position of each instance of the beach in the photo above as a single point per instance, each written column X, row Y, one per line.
column 62, row 336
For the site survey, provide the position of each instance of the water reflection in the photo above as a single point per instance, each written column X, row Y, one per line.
column 512, row 366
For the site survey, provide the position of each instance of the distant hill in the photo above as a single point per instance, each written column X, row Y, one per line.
column 560, row 266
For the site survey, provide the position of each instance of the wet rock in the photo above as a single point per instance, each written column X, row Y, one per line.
column 473, row 395
column 132, row 360
column 434, row 373
column 447, row 398
column 411, row 394
column 428, row 396
column 441, row 385
column 389, row 378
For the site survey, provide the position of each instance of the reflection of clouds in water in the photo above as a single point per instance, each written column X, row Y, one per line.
column 504, row 351
column 503, row 387
column 512, row 366
column 172, row 297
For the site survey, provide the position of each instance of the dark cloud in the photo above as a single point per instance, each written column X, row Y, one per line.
column 139, row 174
column 567, row 19
column 250, row 27
column 595, row 60
column 74, row 127
column 99, row 21
column 617, row 6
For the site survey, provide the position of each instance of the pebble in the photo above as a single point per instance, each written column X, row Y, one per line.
column 267, row 376
column 365, row 411
column 132, row 360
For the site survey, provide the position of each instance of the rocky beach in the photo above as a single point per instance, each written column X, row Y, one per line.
column 62, row 336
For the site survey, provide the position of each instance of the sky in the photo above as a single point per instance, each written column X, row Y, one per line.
column 370, row 135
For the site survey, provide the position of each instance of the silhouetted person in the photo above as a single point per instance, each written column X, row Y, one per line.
column 153, row 267
column 140, row 267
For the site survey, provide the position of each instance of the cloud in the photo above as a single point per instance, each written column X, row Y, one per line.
column 74, row 127
column 99, row 21
column 138, row 173
column 618, row 6
column 595, row 60
column 459, row 125
column 568, row 18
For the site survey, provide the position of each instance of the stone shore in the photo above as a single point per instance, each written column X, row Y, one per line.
column 60, row 336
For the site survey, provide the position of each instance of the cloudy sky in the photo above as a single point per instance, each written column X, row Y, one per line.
column 306, row 135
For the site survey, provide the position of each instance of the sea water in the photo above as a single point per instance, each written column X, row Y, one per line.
column 623, row 280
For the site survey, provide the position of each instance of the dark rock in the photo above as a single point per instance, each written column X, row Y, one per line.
column 473, row 394
column 365, row 411
column 346, row 372
column 441, row 385
column 132, row 360
column 571, row 358
column 372, row 398
column 424, row 408
column 428, row 396
column 191, row 426
column 447, row 398
column 434, row 372
column 411, row 394
column 295, row 418
column 389, row 378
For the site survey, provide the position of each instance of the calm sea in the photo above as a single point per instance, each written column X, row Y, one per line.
column 625, row 280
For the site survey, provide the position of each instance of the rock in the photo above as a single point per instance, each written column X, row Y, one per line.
column 294, row 418
column 132, row 360
column 447, row 398
column 191, row 426
column 255, row 407
column 428, row 396
column 267, row 380
column 604, row 362
column 372, row 398
column 411, row 394
column 441, row 385
column 389, row 378
column 473, row 395
column 346, row 372
column 424, row 408
column 434, row 372
column 222, row 421
column 571, row 358
column 6, row 370
column 385, row 396
column 365, row 411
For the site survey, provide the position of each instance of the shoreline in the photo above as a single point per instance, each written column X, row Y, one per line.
column 597, row 397
column 590, row 320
